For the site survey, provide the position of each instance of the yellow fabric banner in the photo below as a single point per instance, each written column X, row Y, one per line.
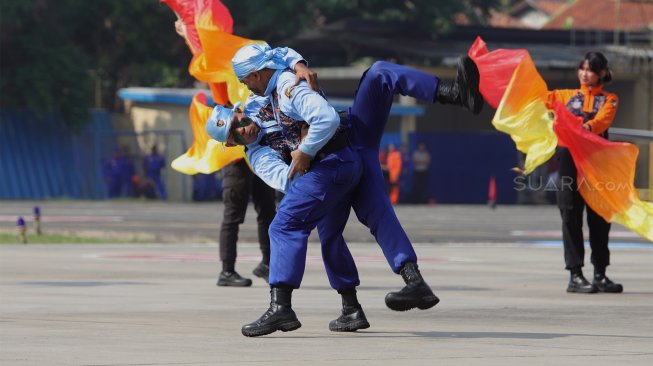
column 205, row 155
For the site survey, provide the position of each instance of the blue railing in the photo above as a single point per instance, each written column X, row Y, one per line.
column 40, row 159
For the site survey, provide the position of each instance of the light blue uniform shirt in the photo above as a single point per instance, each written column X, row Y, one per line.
column 300, row 103
column 266, row 162
column 292, row 57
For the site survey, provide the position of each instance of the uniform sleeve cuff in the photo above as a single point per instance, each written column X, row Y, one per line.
column 307, row 150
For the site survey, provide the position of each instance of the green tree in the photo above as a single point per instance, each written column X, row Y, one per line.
column 68, row 55
column 276, row 20
column 40, row 68
column 132, row 43
column 65, row 56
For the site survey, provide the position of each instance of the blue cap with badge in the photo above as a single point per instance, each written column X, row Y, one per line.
column 219, row 122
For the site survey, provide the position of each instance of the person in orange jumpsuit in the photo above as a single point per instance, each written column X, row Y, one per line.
column 394, row 169
column 597, row 107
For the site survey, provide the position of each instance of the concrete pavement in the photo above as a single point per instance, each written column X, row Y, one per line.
column 503, row 302
column 158, row 305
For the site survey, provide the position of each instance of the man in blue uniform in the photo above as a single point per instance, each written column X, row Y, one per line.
column 153, row 164
column 113, row 174
column 311, row 200
column 238, row 184
column 257, row 67
column 269, row 155
column 127, row 172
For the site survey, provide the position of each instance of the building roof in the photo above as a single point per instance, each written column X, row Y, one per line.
column 185, row 96
column 628, row 15
column 548, row 6
column 343, row 42
column 496, row 19
column 528, row 14
column 162, row 95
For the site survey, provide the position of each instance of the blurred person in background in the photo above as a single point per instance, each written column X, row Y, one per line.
column 238, row 183
column 394, row 163
column 127, row 172
column 206, row 187
column 153, row 163
column 112, row 174
column 421, row 162
column 406, row 178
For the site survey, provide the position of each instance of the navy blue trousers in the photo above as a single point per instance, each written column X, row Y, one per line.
column 320, row 198
column 349, row 178
column 368, row 117
column 160, row 187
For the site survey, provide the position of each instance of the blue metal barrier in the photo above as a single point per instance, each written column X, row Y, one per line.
column 462, row 164
column 40, row 159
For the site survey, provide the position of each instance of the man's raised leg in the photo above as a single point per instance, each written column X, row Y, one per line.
column 369, row 115
column 379, row 84
column 374, row 96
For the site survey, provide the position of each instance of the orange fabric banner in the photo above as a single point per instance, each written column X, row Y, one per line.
column 510, row 82
column 606, row 170
column 208, row 25
column 606, row 174
column 205, row 155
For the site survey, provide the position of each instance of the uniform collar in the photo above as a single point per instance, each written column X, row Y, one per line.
column 595, row 90
column 272, row 84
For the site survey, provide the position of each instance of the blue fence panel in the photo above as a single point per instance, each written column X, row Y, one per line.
column 41, row 159
column 462, row 164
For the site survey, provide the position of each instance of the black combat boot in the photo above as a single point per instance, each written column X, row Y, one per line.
column 232, row 278
column 262, row 271
column 416, row 293
column 352, row 317
column 280, row 315
column 578, row 283
column 464, row 90
column 604, row 284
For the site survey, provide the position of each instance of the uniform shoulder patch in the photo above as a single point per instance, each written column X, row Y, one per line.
column 288, row 91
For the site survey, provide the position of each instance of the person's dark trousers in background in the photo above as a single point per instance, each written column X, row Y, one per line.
column 571, row 205
column 420, row 186
column 237, row 183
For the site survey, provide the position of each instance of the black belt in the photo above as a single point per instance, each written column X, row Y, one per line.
column 338, row 141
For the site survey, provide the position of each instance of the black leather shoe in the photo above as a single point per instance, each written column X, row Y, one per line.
column 279, row 316
column 233, row 279
column 604, row 284
column 464, row 90
column 416, row 293
column 351, row 319
column 262, row 271
column 578, row 284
